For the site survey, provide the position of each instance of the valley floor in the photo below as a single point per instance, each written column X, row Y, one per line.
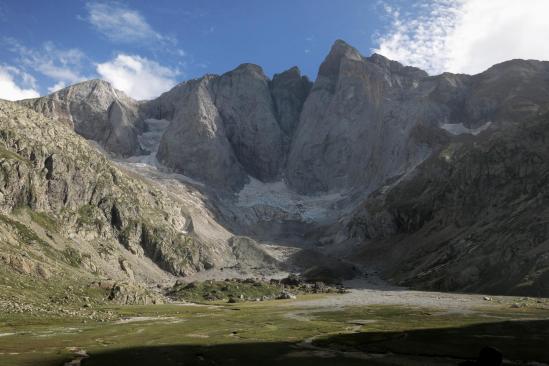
column 366, row 326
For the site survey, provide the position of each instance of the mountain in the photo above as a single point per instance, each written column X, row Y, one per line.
column 65, row 208
column 472, row 217
column 438, row 181
column 240, row 123
column 96, row 111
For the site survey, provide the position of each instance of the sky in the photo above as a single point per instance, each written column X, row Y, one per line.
column 146, row 47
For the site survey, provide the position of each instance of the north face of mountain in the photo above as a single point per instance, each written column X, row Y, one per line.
column 446, row 171
column 358, row 124
column 226, row 128
column 363, row 121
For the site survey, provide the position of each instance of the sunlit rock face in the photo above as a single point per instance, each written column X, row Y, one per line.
column 227, row 128
column 363, row 121
column 98, row 112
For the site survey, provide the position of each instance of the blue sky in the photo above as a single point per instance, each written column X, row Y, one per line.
column 145, row 47
column 188, row 38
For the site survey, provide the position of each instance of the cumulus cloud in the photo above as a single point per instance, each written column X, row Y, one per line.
column 122, row 24
column 466, row 36
column 137, row 76
column 16, row 84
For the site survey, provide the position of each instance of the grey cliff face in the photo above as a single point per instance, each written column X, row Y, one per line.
column 363, row 121
column 369, row 119
column 239, row 124
column 353, row 129
column 96, row 111
column 289, row 90
column 195, row 143
column 244, row 102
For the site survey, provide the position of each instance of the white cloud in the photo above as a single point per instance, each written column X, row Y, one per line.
column 466, row 36
column 137, row 76
column 57, row 86
column 64, row 66
column 10, row 77
column 122, row 24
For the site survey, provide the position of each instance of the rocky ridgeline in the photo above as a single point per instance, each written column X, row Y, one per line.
column 425, row 187
column 362, row 121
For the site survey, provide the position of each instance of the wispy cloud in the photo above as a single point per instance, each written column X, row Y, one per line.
column 15, row 84
column 63, row 66
column 122, row 24
column 465, row 35
column 137, row 76
column 3, row 12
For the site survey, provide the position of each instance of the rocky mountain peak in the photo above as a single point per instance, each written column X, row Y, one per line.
column 249, row 68
column 340, row 50
column 289, row 90
column 395, row 66
column 97, row 111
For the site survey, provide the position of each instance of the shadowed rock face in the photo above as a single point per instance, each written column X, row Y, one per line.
column 246, row 107
column 289, row 90
column 363, row 121
column 440, row 153
column 473, row 217
column 359, row 125
column 96, row 111
column 226, row 128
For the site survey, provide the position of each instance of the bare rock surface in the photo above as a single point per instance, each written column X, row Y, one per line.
column 439, row 178
column 96, row 111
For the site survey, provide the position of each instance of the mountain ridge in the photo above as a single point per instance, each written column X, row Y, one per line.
column 293, row 163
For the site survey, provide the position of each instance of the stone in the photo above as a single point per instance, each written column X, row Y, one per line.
column 285, row 295
column 96, row 111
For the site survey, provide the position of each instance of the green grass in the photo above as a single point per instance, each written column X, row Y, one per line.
column 25, row 234
column 10, row 155
column 45, row 220
column 87, row 215
column 223, row 290
column 271, row 333
column 72, row 256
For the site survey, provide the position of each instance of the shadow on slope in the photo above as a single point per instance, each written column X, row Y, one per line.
column 520, row 341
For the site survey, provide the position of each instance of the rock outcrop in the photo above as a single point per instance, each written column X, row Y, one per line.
column 122, row 221
column 96, row 111
column 226, row 128
column 368, row 119
column 195, row 143
column 473, row 217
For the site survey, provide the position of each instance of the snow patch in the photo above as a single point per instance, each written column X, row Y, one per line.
column 460, row 129
column 279, row 195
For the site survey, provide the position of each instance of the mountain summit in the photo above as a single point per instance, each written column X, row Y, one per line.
column 373, row 155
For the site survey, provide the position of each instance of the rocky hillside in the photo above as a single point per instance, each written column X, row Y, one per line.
column 438, row 180
column 96, row 111
column 62, row 202
column 473, row 217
